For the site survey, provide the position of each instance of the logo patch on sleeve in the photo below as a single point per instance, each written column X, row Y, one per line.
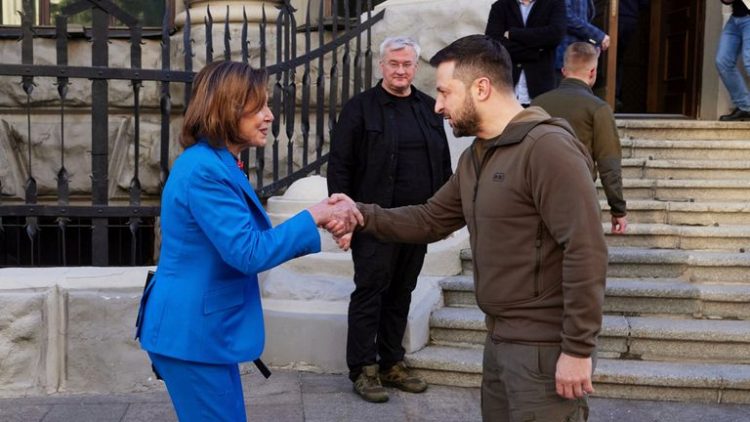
column 498, row 177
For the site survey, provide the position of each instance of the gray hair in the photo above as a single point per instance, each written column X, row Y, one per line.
column 398, row 43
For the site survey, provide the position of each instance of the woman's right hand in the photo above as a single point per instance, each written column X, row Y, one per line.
column 338, row 214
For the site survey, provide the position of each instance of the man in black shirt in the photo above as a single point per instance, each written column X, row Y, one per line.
column 389, row 148
column 732, row 43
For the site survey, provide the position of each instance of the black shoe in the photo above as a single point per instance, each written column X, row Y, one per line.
column 736, row 116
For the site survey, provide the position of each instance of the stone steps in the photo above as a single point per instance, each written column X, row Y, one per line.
column 666, row 236
column 722, row 190
column 677, row 306
column 614, row 378
column 657, row 149
column 643, row 338
column 649, row 211
column 683, row 130
column 647, row 297
column 695, row 266
column 644, row 168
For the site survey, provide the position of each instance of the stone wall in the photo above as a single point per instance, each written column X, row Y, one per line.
column 433, row 24
column 71, row 330
column 46, row 129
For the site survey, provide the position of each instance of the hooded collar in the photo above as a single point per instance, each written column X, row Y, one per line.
column 519, row 126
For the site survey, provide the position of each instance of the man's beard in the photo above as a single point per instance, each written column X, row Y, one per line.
column 466, row 121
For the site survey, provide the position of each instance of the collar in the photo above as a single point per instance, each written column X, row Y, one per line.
column 519, row 126
column 385, row 98
column 575, row 83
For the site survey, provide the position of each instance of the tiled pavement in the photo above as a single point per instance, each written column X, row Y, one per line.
column 292, row 396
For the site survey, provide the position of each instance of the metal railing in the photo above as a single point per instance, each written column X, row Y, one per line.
column 93, row 234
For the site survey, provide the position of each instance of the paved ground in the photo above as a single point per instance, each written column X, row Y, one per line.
column 291, row 396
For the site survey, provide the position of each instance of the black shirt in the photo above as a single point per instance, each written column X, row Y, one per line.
column 739, row 9
column 413, row 174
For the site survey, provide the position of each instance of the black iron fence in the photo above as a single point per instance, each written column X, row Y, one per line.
column 55, row 229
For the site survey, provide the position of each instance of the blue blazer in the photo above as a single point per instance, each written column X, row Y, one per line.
column 203, row 304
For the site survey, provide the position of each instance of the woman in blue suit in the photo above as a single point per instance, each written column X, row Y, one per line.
column 201, row 312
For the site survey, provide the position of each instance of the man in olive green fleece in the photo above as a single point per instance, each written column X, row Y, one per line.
column 592, row 121
column 524, row 190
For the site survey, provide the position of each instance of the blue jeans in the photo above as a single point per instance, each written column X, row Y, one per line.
column 735, row 40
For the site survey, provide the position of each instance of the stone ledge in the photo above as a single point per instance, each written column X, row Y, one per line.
column 681, row 124
column 723, row 383
column 694, row 207
column 684, row 183
column 643, row 296
column 667, row 256
column 668, row 144
column 313, row 333
column 686, row 164
column 82, row 339
column 685, row 231
column 71, row 330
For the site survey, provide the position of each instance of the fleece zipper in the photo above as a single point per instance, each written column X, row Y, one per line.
column 538, row 260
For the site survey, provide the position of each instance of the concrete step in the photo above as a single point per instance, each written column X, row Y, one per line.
column 659, row 149
column 643, row 297
column 613, row 378
column 724, row 190
column 694, row 266
column 666, row 236
column 682, row 130
column 644, row 168
column 647, row 211
column 677, row 298
column 645, row 338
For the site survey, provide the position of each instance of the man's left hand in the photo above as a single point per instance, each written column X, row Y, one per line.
column 605, row 43
column 573, row 376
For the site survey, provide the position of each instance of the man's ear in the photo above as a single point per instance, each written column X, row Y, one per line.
column 482, row 88
column 592, row 74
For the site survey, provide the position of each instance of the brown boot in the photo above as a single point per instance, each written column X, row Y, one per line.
column 368, row 385
column 401, row 377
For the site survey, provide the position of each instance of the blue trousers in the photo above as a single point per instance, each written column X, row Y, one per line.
column 734, row 43
column 202, row 392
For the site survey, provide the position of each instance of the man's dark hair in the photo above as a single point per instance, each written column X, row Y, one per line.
column 476, row 56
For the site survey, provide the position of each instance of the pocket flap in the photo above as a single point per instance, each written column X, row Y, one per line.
column 223, row 298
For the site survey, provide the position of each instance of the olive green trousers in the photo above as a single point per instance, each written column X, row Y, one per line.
column 518, row 385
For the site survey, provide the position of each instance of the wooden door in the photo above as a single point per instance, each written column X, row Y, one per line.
column 675, row 57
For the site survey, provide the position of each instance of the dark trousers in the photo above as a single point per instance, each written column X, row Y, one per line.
column 518, row 385
column 385, row 274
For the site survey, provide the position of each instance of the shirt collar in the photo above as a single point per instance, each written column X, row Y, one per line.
column 385, row 98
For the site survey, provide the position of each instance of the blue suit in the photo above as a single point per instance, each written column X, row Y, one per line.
column 203, row 304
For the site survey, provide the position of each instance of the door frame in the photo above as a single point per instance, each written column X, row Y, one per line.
column 656, row 59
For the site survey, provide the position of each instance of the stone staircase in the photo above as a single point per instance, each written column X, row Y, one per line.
column 677, row 309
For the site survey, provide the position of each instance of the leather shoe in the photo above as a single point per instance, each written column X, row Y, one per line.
column 736, row 116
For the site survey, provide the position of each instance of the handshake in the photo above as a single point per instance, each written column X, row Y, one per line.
column 340, row 216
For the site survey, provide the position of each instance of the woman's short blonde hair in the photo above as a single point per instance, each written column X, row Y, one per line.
column 221, row 91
